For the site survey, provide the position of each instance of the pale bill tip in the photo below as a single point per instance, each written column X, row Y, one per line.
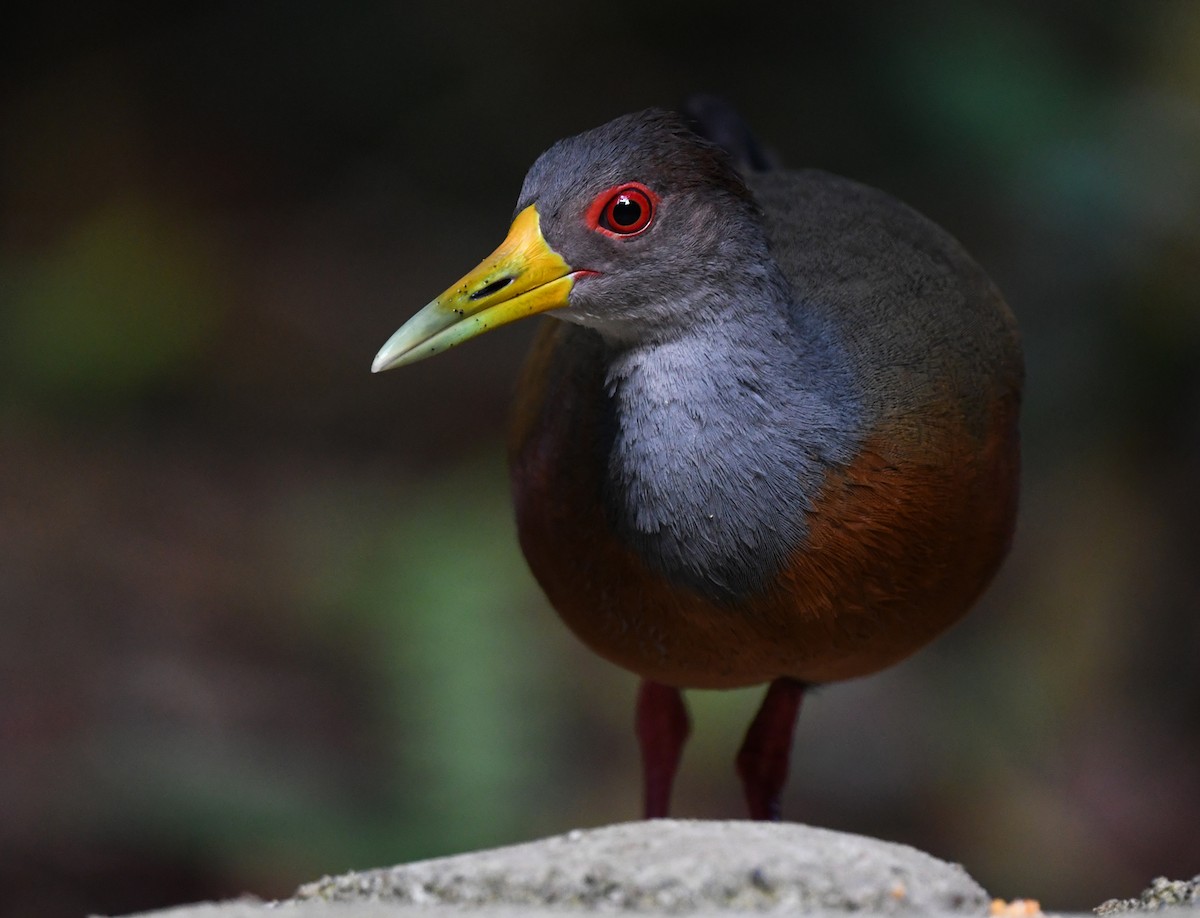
column 380, row 363
column 390, row 357
column 396, row 349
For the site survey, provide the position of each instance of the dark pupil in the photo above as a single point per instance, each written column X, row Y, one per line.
column 626, row 212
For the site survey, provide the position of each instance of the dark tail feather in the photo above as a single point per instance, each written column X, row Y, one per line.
column 715, row 119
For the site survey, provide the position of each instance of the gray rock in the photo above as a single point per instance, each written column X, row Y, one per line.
column 1161, row 893
column 678, row 867
column 698, row 869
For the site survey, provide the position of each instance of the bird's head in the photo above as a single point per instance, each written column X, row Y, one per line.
column 636, row 228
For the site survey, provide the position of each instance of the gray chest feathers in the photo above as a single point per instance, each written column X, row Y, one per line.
column 720, row 444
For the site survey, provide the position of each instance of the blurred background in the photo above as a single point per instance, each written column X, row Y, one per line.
column 263, row 616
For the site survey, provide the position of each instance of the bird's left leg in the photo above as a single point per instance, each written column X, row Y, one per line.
column 662, row 729
column 763, row 760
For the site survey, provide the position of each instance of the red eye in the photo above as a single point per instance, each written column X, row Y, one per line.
column 623, row 211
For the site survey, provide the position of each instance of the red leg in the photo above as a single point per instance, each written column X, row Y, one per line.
column 762, row 762
column 662, row 729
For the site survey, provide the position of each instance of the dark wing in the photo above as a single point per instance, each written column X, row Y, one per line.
column 716, row 120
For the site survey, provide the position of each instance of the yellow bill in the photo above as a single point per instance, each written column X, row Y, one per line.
column 522, row 277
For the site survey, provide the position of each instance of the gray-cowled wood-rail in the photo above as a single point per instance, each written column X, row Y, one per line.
column 769, row 434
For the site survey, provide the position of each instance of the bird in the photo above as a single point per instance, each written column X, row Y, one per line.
column 767, row 433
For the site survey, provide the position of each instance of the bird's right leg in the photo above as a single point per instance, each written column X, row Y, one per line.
column 662, row 729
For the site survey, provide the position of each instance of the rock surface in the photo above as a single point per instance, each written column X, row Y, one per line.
column 665, row 867
column 679, row 867
column 1160, row 894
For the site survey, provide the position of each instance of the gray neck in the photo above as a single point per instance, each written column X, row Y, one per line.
column 722, row 439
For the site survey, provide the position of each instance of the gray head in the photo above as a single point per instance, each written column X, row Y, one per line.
column 659, row 218
column 639, row 229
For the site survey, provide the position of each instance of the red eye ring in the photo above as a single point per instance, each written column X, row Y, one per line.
column 624, row 210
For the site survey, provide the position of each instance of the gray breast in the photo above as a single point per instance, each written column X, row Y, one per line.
column 720, row 443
